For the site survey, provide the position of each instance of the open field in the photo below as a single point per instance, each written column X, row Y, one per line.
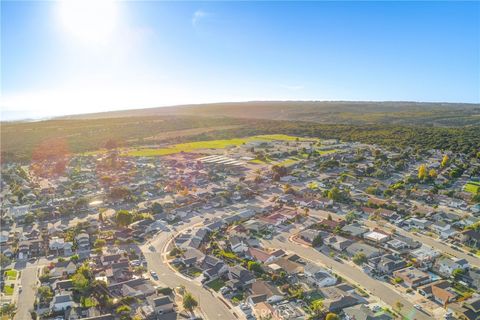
column 210, row 144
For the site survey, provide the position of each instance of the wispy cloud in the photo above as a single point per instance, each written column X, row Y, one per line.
column 198, row 15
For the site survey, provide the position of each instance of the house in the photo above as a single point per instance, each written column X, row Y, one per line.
column 63, row 285
column 192, row 256
column 160, row 304
column 318, row 276
column 355, row 230
column 367, row 250
column 4, row 236
column 470, row 237
column 290, row 267
column 133, row 288
column 443, row 229
column 62, row 302
column 362, row 312
column 340, row 303
column 238, row 244
column 386, row 264
column 424, row 256
column 445, row 265
column 376, row 236
column 412, row 276
column 337, row 242
column 470, row 309
column 260, row 255
column 264, row 291
column 63, row 268
column 440, row 291
column 240, row 277
column 418, row 223
column 83, row 241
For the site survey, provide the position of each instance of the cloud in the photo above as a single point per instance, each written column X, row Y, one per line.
column 197, row 16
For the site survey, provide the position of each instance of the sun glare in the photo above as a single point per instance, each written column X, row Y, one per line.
column 89, row 20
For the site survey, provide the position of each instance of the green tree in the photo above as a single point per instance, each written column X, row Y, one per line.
column 349, row 217
column 432, row 173
column 100, row 243
column 189, row 302
column 317, row 307
column 123, row 218
column 80, row 282
column 254, row 266
column 4, row 260
column 45, row 294
column 359, row 258
column 422, row 171
column 334, row 194
column 317, row 241
column 444, row 161
column 457, row 273
column 332, row 316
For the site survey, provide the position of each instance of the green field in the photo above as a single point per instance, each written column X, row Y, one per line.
column 210, row 144
column 216, row 284
column 11, row 274
column 8, row 290
column 472, row 187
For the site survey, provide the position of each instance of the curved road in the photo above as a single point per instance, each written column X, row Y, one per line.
column 211, row 306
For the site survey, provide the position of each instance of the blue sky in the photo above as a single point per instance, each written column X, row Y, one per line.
column 73, row 57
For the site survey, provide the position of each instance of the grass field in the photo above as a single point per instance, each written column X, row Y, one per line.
column 11, row 274
column 216, row 284
column 8, row 290
column 210, row 144
column 472, row 187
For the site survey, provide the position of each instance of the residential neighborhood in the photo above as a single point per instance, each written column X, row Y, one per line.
column 281, row 228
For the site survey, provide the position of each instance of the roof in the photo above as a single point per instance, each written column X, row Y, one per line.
column 258, row 254
column 161, row 301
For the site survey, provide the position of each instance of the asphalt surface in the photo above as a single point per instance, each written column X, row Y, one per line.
column 356, row 276
column 26, row 298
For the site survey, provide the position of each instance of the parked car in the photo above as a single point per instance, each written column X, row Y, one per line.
column 154, row 275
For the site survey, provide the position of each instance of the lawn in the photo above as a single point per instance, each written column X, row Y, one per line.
column 216, row 284
column 11, row 274
column 8, row 290
column 209, row 144
column 472, row 187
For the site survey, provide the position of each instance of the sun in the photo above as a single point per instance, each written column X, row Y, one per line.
column 88, row 20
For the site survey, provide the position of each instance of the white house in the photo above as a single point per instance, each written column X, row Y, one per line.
column 62, row 302
column 319, row 276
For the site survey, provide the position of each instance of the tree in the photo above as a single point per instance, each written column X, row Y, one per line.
column 317, row 241
column 422, row 171
column 334, row 194
column 123, row 309
column 80, row 282
column 254, row 266
column 4, row 260
column 432, row 173
column 317, row 307
column 45, row 294
column 349, row 217
column 157, row 208
column 329, row 217
column 189, row 302
column 359, row 258
column 100, row 243
column 123, row 218
column 457, row 273
column 399, row 305
column 444, row 161
column 332, row 316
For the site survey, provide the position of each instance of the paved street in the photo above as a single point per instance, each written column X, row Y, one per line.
column 434, row 243
column 26, row 298
column 210, row 305
column 352, row 274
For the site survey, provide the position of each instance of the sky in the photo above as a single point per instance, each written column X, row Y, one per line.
column 80, row 56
